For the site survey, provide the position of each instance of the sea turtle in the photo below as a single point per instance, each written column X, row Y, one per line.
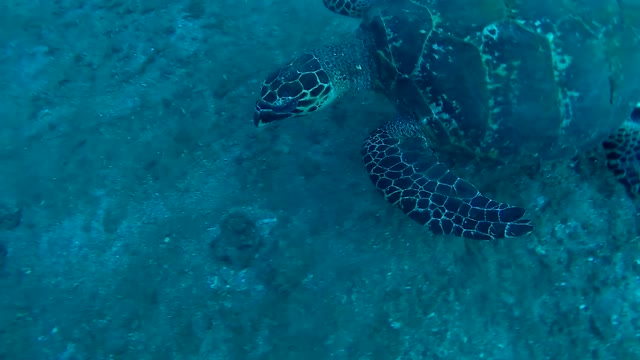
column 512, row 80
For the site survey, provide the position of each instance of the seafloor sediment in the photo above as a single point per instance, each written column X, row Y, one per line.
column 142, row 216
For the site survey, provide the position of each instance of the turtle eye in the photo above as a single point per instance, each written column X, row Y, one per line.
column 288, row 104
column 281, row 105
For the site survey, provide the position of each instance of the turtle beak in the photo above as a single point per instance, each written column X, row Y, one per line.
column 266, row 113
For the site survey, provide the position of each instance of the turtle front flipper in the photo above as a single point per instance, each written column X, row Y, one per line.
column 623, row 154
column 404, row 168
column 352, row 8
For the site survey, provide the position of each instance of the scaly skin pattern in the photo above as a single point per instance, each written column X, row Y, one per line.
column 623, row 155
column 352, row 8
column 404, row 168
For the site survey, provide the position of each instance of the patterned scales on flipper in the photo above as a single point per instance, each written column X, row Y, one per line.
column 404, row 168
column 353, row 8
column 623, row 155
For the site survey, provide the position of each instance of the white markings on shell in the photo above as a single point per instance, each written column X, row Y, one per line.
column 490, row 31
column 560, row 62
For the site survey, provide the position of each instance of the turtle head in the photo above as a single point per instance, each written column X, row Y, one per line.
column 299, row 88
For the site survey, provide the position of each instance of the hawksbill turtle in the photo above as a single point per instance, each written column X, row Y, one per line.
column 512, row 80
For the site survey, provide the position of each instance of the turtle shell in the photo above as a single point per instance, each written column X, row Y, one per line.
column 516, row 79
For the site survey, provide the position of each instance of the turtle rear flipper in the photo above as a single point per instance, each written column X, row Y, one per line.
column 404, row 168
column 623, row 154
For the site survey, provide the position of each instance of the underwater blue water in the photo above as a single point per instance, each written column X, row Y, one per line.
column 143, row 216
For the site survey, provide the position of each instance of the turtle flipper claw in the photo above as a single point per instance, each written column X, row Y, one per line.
column 404, row 168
